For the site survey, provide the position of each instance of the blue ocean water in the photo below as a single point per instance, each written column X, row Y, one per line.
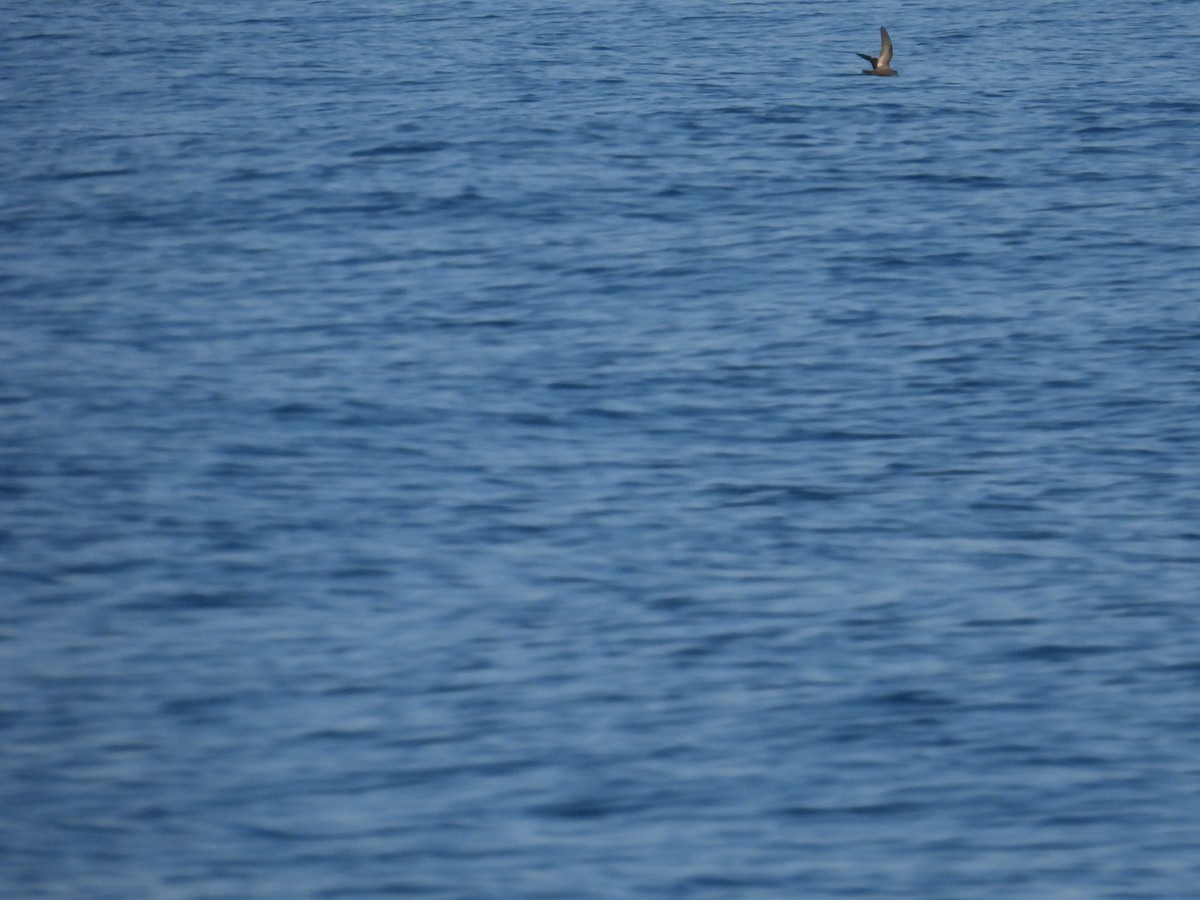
column 473, row 449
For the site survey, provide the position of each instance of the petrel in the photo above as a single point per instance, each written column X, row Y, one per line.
column 879, row 65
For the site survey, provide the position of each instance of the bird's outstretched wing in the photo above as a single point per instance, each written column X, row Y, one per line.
column 885, row 54
column 871, row 59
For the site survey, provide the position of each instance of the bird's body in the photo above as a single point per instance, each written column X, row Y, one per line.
column 881, row 64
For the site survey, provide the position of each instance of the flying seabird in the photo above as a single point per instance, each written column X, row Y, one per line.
column 879, row 65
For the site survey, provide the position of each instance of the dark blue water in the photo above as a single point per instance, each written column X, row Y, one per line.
column 478, row 449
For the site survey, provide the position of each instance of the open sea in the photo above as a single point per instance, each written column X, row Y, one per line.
column 599, row 449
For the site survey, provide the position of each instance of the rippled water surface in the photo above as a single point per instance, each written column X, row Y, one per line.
column 536, row 449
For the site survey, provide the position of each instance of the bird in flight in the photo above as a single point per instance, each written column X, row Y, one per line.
column 880, row 65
